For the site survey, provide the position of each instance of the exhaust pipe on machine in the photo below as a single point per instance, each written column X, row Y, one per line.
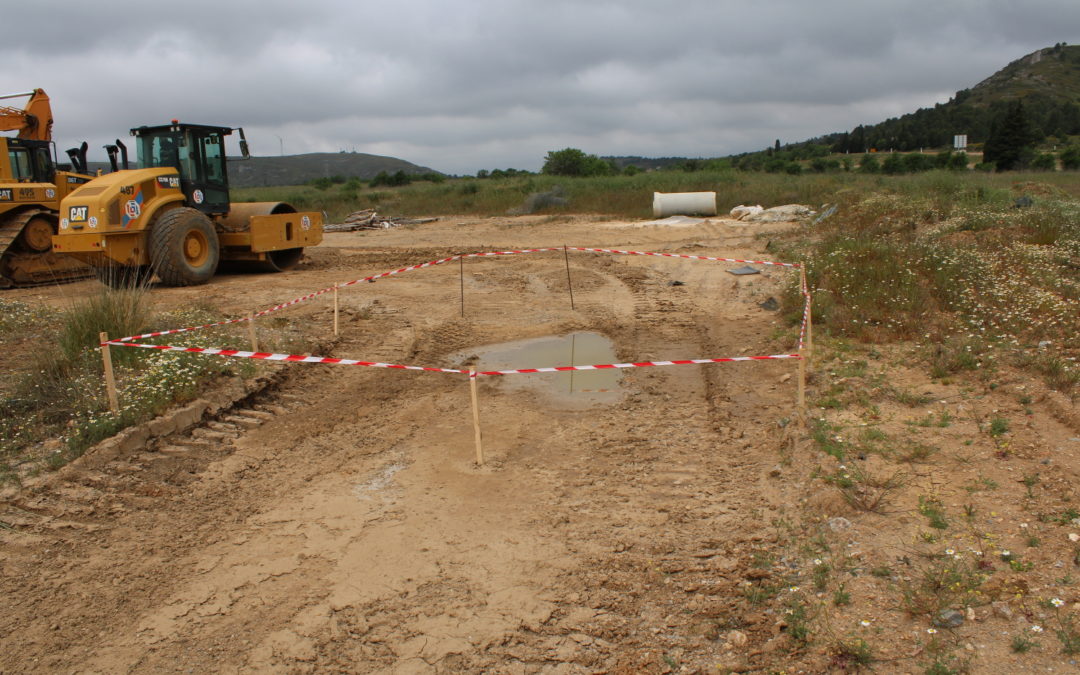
column 113, row 152
column 123, row 153
column 73, row 153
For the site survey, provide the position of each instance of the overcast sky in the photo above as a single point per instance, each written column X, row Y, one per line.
column 474, row 84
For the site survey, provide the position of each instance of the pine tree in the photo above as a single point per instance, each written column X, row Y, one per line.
column 1011, row 141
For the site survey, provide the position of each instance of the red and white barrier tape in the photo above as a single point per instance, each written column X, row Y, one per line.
column 681, row 255
column 806, row 311
column 329, row 289
column 433, row 263
column 269, row 356
column 638, row 364
column 301, row 358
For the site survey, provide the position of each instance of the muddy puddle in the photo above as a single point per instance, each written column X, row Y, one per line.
column 567, row 389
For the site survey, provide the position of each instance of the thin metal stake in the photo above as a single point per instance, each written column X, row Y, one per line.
column 461, row 268
column 569, row 284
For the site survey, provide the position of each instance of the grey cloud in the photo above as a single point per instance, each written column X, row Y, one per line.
column 464, row 86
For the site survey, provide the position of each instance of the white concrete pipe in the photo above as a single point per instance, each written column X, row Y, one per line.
column 683, row 204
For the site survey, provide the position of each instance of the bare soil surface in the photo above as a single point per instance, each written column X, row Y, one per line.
column 338, row 523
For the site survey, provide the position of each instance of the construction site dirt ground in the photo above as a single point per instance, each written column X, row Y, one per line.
column 336, row 521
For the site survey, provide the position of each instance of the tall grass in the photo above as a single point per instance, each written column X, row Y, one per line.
column 631, row 196
column 116, row 312
column 626, row 196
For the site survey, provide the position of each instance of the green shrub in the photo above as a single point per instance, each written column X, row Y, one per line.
column 1070, row 158
column 397, row 179
column 1043, row 162
column 574, row 162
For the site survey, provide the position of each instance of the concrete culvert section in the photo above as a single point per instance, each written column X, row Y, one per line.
column 684, row 204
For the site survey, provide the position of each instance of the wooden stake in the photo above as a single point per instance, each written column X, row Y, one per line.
column 251, row 332
column 569, row 284
column 335, row 311
column 573, row 361
column 802, row 391
column 110, row 379
column 461, row 270
column 476, row 418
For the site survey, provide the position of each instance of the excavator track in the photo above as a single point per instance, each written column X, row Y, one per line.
column 23, row 268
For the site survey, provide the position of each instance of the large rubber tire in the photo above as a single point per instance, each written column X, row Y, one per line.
column 184, row 247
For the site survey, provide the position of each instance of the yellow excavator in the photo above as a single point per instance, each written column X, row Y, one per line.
column 32, row 185
column 172, row 217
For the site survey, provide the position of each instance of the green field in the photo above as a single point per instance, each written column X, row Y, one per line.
column 631, row 196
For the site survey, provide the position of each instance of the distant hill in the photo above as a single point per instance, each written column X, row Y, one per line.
column 297, row 169
column 1052, row 73
column 1047, row 81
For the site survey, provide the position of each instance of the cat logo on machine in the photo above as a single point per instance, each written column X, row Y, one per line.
column 132, row 209
column 5, row 195
column 305, row 222
column 78, row 214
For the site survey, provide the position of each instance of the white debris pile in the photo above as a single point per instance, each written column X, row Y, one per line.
column 368, row 219
column 777, row 214
column 741, row 212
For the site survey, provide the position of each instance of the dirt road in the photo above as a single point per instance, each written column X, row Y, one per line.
column 336, row 522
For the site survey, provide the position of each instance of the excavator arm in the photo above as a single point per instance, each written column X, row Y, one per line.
column 34, row 121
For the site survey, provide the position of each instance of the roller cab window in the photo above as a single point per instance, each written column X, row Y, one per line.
column 197, row 152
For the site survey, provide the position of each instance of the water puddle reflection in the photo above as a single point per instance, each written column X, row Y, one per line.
column 577, row 388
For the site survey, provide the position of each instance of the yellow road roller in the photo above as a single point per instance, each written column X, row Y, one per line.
column 172, row 217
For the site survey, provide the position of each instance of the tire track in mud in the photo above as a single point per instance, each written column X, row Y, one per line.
column 336, row 523
column 105, row 542
column 672, row 505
